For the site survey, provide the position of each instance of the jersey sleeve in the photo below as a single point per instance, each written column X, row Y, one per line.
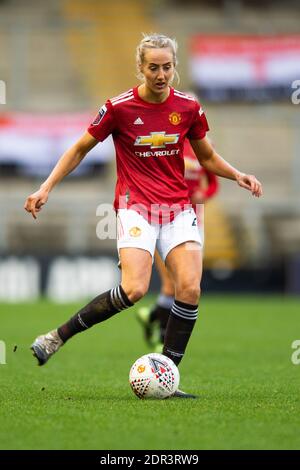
column 104, row 123
column 199, row 124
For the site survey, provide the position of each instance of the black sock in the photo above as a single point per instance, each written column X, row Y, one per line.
column 101, row 308
column 160, row 314
column 179, row 329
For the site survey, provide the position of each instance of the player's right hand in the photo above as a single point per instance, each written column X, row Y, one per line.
column 35, row 202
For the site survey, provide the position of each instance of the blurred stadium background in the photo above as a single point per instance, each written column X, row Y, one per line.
column 60, row 60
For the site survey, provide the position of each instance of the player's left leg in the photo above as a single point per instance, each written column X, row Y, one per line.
column 180, row 246
column 165, row 300
column 161, row 310
column 185, row 263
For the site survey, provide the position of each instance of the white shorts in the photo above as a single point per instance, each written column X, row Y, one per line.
column 133, row 231
column 200, row 221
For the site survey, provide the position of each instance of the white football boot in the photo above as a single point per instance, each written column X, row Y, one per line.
column 45, row 346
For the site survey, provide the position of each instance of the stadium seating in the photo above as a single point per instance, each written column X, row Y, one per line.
column 71, row 55
column 103, row 51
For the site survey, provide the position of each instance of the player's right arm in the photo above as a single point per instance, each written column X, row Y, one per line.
column 65, row 165
column 211, row 160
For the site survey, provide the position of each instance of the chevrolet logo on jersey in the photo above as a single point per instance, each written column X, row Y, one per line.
column 157, row 140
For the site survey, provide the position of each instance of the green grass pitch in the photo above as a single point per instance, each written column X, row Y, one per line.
column 238, row 361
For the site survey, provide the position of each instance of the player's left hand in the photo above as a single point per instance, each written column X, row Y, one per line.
column 251, row 183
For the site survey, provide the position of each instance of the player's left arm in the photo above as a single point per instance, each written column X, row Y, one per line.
column 213, row 162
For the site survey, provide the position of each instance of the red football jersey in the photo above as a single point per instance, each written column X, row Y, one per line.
column 149, row 140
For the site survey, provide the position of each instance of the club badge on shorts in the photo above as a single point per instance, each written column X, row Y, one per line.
column 135, row 232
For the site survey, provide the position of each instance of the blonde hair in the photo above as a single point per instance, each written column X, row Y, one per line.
column 155, row 41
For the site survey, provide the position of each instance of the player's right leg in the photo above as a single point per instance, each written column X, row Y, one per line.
column 136, row 273
column 136, row 265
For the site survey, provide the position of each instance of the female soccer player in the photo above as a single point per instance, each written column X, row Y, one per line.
column 148, row 124
column 202, row 185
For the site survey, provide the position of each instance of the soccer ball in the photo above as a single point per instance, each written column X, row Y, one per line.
column 154, row 376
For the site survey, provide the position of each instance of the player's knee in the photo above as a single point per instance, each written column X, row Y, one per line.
column 190, row 291
column 193, row 293
column 136, row 292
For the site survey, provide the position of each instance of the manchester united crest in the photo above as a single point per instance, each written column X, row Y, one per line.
column 135, row 231
column 175, row 118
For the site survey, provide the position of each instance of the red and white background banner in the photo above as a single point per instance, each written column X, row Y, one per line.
column 244, row 67
column 34, row 142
